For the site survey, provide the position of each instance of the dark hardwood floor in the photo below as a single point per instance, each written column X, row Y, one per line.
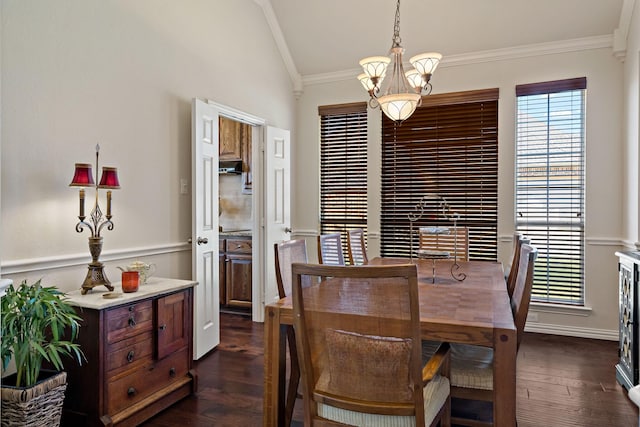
column 562, row 382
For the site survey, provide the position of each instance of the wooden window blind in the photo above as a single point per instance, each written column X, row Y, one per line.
column 550, row 185
column 447, row 148
column 343, row 168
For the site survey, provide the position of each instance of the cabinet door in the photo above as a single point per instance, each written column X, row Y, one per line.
column 239, row 280
column 172, row 323
column 230, row 144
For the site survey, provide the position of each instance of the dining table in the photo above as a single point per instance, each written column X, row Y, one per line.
column 475, row 310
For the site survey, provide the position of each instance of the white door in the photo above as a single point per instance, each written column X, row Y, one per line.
column 204, row 170
column 277, row 201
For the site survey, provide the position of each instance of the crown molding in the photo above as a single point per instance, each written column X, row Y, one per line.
column 621, row 33
column 276, row 31
column 524, row 51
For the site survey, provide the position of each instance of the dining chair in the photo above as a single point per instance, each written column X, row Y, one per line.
column 472, row 366
column 357, row 248
column 330, row 249
column 518, row 240
column 443, row 242
column 345, row 355
column 287, row 253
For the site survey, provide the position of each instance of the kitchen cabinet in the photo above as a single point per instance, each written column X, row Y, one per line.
column 238, row 264
column 235, row 144
column 230, row 142
column 139, row 351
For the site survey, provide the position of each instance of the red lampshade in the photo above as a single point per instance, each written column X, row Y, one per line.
column 83, row 176
column 109, row 178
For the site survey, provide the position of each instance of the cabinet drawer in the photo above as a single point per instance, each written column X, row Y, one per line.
column 239, row 246
column 143, row 381
column 128, row 321
column 129, row 352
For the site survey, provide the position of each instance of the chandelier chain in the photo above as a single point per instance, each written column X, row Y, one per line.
column 396, row 41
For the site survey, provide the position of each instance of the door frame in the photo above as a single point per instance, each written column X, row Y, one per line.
column 257, row 208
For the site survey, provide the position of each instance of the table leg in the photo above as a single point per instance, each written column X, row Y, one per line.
column 433, row 271
column 504, row 377
column 274, row 368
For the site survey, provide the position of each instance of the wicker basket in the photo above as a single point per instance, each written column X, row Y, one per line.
column 37, row 406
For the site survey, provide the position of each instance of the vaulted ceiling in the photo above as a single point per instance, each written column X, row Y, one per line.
column 331, row 36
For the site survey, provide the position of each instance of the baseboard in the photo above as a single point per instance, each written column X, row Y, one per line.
column 572, row 331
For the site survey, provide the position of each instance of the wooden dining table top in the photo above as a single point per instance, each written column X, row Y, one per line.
column 474, row 311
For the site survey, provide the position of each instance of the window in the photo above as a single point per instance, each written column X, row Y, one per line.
column 448, row 148
column 550, row 185
column 343, row 168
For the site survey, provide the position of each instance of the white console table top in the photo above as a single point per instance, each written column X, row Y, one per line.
column 155, row 286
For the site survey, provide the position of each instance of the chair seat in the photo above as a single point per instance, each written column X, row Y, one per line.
column 435, row 395
column 471, row 365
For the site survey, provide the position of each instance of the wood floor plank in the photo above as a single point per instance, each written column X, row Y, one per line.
column 561, row 382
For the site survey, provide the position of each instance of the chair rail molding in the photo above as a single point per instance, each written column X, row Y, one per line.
column 21, row 266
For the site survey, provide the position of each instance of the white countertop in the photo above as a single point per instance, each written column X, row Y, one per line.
column 155, row 286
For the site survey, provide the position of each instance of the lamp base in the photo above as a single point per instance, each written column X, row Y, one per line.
column 95, row 277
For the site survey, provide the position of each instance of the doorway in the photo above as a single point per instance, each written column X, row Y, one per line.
column 269, row 220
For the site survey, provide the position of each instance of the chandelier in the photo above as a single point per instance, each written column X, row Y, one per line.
column 402, row 92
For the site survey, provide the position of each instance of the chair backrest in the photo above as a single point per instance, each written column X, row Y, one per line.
column 344, row 354
column 454, row 240
column 522, row 290
column 287, row 253
column 357, row 247
column 330, row 249
column 518, row 240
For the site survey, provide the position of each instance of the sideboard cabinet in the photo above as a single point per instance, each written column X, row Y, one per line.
column 139, row 350
column 627, row 366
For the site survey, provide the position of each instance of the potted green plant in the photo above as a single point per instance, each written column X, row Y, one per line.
column 38, row 325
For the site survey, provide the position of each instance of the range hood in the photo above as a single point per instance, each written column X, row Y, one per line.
column 230, row 166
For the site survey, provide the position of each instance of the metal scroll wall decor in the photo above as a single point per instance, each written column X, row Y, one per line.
column 444, row 211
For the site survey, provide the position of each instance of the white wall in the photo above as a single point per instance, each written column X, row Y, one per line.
column 604, row 159
column 631, row 218
column 121, row 74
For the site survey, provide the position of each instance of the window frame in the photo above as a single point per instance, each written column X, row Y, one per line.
column 343, row 168
column 560, row 238
column 449, row 128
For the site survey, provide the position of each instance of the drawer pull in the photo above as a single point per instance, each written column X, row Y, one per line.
column 131, row 392
column 132, row 322
column 130, row 356
column 163, row 327
column 172, row 372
